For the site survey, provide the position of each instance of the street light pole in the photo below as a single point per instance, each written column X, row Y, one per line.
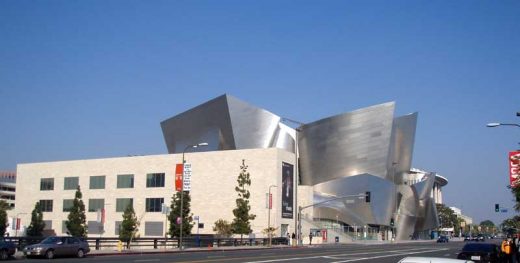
column 182, row 187
column 496, row 124
column 269, row 214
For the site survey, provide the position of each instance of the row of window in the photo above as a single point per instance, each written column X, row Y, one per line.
column 151, row 228
column 152, row 204
column 98, row 182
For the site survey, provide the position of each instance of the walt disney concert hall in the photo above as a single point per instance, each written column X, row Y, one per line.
column 366, row 150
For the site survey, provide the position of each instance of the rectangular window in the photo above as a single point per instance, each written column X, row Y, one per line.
column 46, row 205
column 154, row 204
column 48, row 224
column 153, row 228
column 97, row 182
column 125, row 181
column 123, row 203
column 94, row 227
column 67, row 204
column 71, row 183
column 64, row 229
column 47, row 184
column 117, row 227
column 155, row 180
column 95, row 204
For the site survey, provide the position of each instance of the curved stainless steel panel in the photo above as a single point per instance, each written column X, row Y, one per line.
column 226, row 123
column 346, row 145
column 401, row 147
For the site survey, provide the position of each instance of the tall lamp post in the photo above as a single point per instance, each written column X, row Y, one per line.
column 182, row 186
column 269, row 214
column 296, row 175
column 496, row 124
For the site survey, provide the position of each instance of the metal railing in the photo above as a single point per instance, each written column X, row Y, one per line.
column 99, row 243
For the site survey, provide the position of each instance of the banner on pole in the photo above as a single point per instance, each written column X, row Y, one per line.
column 187, row 177
column 178, row 177
column 514, row 168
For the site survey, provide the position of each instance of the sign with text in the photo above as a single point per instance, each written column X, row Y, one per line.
column 287, row 190
column 178, row 177
column 514, row 168
column 187, row 177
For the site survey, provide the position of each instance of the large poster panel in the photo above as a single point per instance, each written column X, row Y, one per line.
column 287, row 190
column 514, row 168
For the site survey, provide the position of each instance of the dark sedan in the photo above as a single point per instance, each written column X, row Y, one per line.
column 7, row 249
column 480, row 252
column 443, row 239
column 58, row 246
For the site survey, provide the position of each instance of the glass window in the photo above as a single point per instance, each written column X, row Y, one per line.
column 125, row 181
column 71, row 183
column 154, row 204
column 155, row 180
column 123, row 203
column 152, row 228
column 97, row 182
column 46, row 205
column 95, row 228
column 67, row 204
column 64, row 228
column 95, row 204
column 47, row 184
column 48, row 224
column 118, row 227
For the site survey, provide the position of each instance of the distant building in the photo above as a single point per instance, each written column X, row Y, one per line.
column 8, row 187
column 458, row 212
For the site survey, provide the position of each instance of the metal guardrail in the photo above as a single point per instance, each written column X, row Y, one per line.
column 98, row 243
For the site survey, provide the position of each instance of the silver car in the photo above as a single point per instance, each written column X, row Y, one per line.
column 58, row 246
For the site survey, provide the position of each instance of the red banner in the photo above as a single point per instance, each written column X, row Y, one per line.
column 178, row 176
column 514, row 168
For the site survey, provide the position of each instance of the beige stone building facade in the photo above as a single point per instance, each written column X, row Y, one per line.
column 147, row 182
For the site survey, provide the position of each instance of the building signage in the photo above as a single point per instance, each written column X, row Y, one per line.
column 178, row 177
column 514, row 168
column 187, row 177
column 287, row 190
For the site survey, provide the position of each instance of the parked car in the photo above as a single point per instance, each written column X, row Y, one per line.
column 7, row 249
column 480, row 252
column 58, row 246
column 431, row 260
column 443, row 239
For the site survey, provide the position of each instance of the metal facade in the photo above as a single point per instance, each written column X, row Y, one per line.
column 364, row 150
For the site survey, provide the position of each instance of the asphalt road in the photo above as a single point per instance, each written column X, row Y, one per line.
column 340, row 253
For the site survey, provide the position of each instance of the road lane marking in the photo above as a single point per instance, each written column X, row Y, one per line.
column 386, row 256
column 397, row 253
column 147, row 260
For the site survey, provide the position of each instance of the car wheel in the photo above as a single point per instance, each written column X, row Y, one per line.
column 4, row 255
column 80, row 253
column 49, row 254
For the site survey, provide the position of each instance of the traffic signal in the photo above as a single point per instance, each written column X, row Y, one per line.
column 497, row 208
column 392, row 222
column 367, row 197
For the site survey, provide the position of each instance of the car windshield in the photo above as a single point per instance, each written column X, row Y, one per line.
column 51, row 240
column 478, row 248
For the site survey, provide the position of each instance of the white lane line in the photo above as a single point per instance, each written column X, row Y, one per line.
column 386, row 256
column 353, row 254
column 147, row 260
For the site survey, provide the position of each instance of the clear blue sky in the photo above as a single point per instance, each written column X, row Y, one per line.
column 91, row 79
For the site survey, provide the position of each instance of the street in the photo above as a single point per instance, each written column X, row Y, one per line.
column 328, row 254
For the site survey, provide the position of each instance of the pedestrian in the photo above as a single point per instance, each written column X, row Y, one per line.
column 288, row 239
column 293, row 239
column 506, row 249
column 310, row 238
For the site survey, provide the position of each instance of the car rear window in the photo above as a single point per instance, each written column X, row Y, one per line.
column 479, row 247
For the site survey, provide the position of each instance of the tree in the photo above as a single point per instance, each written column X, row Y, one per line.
column 511, row 225
column 4, row 206
column 223, row 228
column 516, row 194
column 187, row 220
column 448, row 218
column 76, row 223
column 129, row 225
column 487, row 226
column 37, row 225
column 241, row 223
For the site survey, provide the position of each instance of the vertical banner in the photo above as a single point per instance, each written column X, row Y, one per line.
column 287, row 190
column 178, row 177
column 514, row 168
column 187, row 177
